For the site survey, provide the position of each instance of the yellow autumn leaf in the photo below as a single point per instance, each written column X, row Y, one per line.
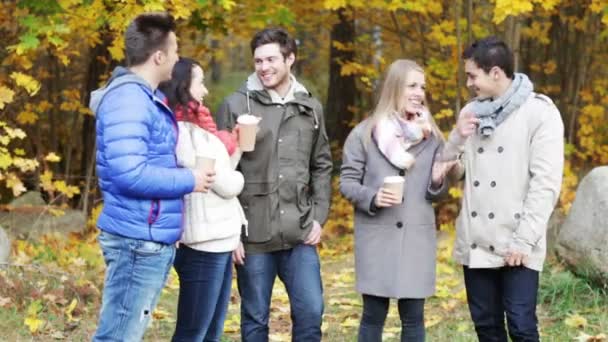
column 13, row 133
column 30, row 84
column 33, row 323
column 15, row 184
column 70, row 309
column 56, row 212
column 52, row 157
column 19, row 152
column 117, row 49
column 455, row 192
column 46, row 181
column 576, row 321
column 27, row 117
column 68, row 190
column 5, row 160
column 6, row 96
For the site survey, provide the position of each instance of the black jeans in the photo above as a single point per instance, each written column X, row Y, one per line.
column 492, row 292
column 375, row 309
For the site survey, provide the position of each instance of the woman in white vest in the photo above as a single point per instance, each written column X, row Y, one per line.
column 213, row 221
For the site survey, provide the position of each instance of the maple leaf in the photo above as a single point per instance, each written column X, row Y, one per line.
column 30, row 84
column 6, row 96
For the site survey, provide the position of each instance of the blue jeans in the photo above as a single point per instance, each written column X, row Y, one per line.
column 493, row 292
column 300, row 271
column 136, row 272
column 375, row 309
column 204, row 292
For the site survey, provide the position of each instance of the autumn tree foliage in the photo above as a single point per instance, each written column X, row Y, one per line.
column 55, row 52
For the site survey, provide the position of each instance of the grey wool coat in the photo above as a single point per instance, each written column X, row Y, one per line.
column 395, row 247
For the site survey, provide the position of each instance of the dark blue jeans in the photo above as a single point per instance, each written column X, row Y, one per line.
column 375, row 309
column 204, row 291
column 494, row 292
column 299, row 269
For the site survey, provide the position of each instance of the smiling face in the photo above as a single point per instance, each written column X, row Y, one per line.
column 483, row 84
column 197, row 85
column 271, row 67
column 412, row 98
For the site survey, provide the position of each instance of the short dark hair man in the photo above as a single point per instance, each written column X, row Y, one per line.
column 287, row 190
column 513, row 154
column 141, row 183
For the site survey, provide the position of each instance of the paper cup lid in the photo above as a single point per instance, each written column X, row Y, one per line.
column 248, row 119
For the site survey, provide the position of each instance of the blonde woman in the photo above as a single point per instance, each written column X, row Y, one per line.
column 395, row 237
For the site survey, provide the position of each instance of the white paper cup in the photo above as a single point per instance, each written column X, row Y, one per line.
column 205, row 163
column 248, row 127
column 395, row 184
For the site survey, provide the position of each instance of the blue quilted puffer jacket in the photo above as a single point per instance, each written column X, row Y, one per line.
column 142, row 185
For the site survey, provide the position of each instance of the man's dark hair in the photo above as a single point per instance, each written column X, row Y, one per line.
column 146, row 34
column 275, row 35
column 490, row 52
column 177, row 89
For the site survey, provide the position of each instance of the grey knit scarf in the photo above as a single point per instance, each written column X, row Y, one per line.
column 492, row 113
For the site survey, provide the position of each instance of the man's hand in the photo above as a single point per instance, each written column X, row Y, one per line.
column 238, row 255
column 386, row 198
column 314, row 237
column 203, row 180
column 466, row 124
column 516, row 259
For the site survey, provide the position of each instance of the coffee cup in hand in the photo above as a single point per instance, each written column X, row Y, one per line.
column 205, row 163
column 395, row 184
column 248, row 127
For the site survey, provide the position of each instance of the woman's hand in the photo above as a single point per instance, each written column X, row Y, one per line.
column 386, row 198
column 440, row 170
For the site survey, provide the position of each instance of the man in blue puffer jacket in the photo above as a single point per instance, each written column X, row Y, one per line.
column 141, row 183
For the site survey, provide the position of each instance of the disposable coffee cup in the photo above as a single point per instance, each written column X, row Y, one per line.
column 205, row 163
column 248, row 127
column 395, row 185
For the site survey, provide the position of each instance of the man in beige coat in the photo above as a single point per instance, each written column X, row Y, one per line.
column 510, row 143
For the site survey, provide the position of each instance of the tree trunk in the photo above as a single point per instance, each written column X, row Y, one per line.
column 513, row 38
column 469, row 22
column 342, row 90
column 458, row 57
column 95, row 70
column 215, row 65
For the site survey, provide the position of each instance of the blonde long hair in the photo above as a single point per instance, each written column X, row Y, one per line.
column 392, row 90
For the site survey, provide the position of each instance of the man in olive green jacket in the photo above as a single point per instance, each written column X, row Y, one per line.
column 287, row 190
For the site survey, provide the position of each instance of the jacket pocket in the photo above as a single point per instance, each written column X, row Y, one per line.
column 304, row 204
column 257, row 211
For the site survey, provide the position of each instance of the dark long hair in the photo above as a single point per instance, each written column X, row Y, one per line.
column 177, row 89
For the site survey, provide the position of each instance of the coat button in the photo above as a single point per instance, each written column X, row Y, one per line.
column 491, row 248
column 480, row 150
column 491, row 215
column 493, row 184
column 500, row 149
column 517, row 216
column 476, row 183
column 474, row 214
column 401, row 173
column 473, row 245
column 399, row 224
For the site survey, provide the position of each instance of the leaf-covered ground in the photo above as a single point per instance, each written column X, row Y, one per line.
column 51, row 291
